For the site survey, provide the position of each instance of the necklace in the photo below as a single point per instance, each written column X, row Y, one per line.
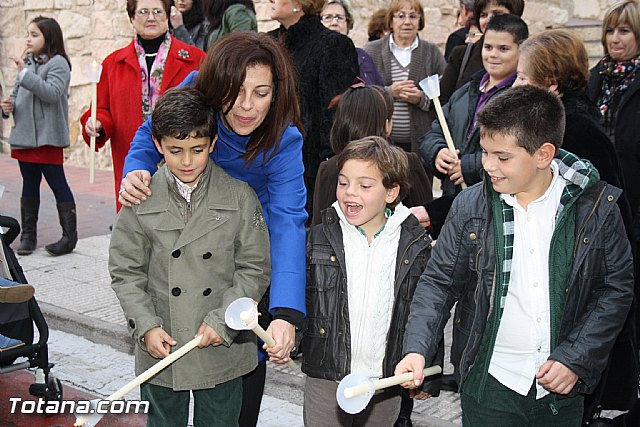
column 150, row 55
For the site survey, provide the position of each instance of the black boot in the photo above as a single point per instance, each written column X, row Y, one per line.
column 29, row 207
column 68, row 221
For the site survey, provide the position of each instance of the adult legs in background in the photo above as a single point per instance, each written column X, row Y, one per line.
column 252, row 390
column 29, row 206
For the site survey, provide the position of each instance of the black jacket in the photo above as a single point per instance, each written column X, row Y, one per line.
column 627, row 136
column 327, row 64
column 326, row 346
column 462, row 269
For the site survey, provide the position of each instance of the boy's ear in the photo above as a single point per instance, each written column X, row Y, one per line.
column 213, row 143
column 545, row 155
column 157, row 144
column 392, row 193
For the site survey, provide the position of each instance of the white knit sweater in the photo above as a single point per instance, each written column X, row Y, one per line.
column 370, row 285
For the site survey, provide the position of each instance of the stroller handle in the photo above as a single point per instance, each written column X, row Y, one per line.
column 12, row 225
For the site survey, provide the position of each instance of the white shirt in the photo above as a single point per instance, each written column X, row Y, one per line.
column 402, row 54
column 523, row 340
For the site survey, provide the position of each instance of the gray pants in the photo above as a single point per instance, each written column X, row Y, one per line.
column 321, row 408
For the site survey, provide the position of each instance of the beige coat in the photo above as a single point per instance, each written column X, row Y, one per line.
column 176, row 274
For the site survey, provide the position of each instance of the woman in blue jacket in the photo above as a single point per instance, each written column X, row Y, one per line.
column 250, row 81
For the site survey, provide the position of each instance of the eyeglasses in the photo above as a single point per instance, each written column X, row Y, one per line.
column 330, row 18
column 158, row 13
column 402, row 16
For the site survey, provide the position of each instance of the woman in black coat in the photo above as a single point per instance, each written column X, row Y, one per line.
column 327, row 65
column 615, row 88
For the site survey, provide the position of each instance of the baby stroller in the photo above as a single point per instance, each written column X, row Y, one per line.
column 17, row 320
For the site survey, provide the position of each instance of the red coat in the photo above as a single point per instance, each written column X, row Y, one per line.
column 120, row 97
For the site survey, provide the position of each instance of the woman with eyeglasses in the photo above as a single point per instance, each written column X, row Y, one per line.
column 403, row 59
column 134, row 77
column 326, row 63
column 337, row 16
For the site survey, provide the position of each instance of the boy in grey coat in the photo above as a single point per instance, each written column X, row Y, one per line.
column 178, row 259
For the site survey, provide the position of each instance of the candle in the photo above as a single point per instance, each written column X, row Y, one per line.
column 94, row 100
column 3, row 87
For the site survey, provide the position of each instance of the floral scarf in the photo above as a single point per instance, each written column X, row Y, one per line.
column 151, row 81
column 617, row 76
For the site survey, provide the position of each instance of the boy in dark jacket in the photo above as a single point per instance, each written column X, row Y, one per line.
column 500, row 53
column 538, row 260
column 364, row 261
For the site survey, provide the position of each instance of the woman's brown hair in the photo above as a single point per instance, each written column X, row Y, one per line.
column 397, row 5
column 133, row 4
column 224, row 71
column 557, row 57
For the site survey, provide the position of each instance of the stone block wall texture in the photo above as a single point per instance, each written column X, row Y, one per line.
column 95, row 28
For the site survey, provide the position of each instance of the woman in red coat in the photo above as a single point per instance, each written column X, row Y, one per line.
column 135, row 76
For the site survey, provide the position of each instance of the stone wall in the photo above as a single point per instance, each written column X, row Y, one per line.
column 94, row 28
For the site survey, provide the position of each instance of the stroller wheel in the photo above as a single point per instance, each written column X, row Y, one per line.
column 50, row 391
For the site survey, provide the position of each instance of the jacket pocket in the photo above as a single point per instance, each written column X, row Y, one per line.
column 314, row 343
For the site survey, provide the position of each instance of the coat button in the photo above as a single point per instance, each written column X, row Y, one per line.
column 175, row 253
column 585, row 240
column 176, row 292
column 207, row 255
column 132, row 323
column 610, row 198
column 406, row 261
column 322, row 331
column 333, row 258
column 472, row 236
column 206, row 292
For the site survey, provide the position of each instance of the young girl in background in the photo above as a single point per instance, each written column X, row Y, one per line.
column 39, row 103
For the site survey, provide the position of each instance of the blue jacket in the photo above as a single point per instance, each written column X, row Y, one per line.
column 280, row 189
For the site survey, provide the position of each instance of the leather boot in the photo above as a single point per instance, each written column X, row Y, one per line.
column 29, row 207
column 68, row 221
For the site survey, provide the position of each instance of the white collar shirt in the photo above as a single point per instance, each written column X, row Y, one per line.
column 402, row 54
column 523, row 340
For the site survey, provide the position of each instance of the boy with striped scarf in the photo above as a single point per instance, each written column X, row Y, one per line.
column 538, row 260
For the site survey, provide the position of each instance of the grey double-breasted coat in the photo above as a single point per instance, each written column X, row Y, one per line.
column 176, row 274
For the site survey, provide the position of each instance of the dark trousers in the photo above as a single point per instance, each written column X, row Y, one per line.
column 252, row 390
column 503, row 407
column 218, row 406
column 54, row 174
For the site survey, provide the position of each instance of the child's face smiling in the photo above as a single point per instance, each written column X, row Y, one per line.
column 362, row 196
column 513, row 170
column 499, row 55
column 186, row 158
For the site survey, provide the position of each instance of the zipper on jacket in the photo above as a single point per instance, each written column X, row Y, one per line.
column 475, row 295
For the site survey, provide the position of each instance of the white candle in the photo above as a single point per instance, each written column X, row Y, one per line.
column 94, row 100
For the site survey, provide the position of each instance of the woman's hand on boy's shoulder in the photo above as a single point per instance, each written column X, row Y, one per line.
column 209, row 336
column 158, row 342
column 134, row 188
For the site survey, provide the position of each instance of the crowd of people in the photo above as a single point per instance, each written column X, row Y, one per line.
column 297, row 170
